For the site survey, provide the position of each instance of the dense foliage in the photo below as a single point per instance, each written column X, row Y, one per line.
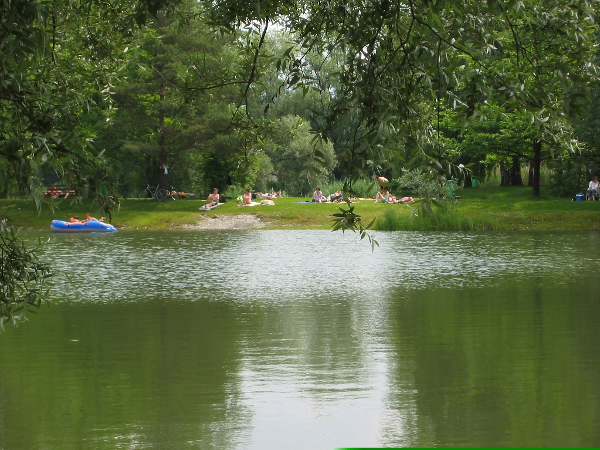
column 55, row 58
column 22, row 277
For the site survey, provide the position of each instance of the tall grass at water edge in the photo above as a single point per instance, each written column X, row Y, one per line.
column 446, row 218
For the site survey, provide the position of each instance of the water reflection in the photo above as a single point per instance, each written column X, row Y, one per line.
column 122, row 376
column 268, row 339
column 284, row 266
column 510, row 366
column 270, row 266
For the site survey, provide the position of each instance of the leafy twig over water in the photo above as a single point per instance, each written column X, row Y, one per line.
column 346, row 219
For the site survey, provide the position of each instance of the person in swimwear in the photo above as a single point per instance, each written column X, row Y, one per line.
column 381, row 194
column 214, row 197
column 89, row 218
column 247, row 198
column 318, row 196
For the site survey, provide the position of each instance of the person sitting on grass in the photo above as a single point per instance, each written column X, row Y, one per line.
column 381, row 194
column 213, row 198
column 318, row 196
column 389, row 198
column 247, row 198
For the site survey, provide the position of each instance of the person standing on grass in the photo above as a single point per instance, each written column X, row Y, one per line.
column 593, row 188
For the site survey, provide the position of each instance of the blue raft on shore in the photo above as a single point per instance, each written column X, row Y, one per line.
column 60, row 226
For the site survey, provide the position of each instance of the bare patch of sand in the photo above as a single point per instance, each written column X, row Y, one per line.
column 228, row 222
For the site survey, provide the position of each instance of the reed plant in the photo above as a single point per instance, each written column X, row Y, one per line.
column 447, row 217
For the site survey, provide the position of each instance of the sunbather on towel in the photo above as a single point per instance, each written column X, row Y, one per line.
column 247, row 198
column 393, row 199
column 318, row 196
column 213, row 200
column 213, row 197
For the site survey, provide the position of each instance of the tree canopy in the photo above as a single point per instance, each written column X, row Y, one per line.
column 404, row 64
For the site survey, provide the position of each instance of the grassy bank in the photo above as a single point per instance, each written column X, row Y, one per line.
column 478, row 209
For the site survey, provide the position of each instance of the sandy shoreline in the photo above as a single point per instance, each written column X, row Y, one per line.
column 228, row 222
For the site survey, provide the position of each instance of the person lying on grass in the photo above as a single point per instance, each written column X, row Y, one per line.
column 338, row 197
column 393, row 199
column 268, row 195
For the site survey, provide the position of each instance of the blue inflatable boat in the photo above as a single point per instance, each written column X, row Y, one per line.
column 60, row 226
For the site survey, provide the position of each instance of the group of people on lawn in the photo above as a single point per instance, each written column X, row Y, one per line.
column 214, row 197
column 386, row 197
column 382, row 195
column 319, row 197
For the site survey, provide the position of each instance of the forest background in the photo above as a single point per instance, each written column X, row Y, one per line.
column 191, row 101
column 106, row 97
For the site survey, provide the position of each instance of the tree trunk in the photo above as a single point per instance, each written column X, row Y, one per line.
column 467, row 183
column 504, row 177
column 162, row 164
column 530, row 179
column 514, row 173
column 536, row 163
column 162, row 153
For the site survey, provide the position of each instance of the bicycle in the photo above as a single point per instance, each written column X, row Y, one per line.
column 155, row 193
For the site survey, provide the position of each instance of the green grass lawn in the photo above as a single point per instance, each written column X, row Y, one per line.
column 514, row 208
column 478, row 209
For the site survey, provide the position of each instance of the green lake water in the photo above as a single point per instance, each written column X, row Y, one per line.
column 307, row 340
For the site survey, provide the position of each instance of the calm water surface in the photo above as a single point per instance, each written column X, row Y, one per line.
column 307, row 340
